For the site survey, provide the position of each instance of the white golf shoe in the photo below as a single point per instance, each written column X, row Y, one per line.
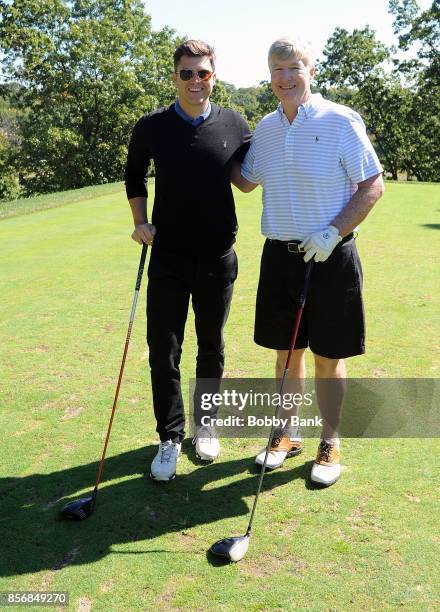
column 207, row 445
column 163, row 467
column 282, row 446
column 326, row 469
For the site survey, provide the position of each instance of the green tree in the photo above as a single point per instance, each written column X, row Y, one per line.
column 421, row 30
column 89, row 69
column 9, row 142
column 267, row 101
column 353, row 70
column 220, row 95
column 245, row 101
column 9, row 180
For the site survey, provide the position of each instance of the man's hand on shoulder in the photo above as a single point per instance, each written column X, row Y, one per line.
column 144, row 233
column 321, row 244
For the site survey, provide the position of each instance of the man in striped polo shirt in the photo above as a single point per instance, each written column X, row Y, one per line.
column 320, row 177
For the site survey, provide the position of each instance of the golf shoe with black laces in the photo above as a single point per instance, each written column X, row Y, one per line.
column 206, row 443
column 326, row 469
column 163, row 467
column 283, row 445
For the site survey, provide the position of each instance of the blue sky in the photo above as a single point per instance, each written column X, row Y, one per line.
column 242, row 30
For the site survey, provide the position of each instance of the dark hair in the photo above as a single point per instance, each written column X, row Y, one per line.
column 194, row 48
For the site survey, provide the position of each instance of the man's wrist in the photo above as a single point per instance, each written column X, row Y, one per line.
column 138, row 207
column 335, row 230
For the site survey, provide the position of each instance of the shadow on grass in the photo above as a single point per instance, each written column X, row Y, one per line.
column 34, row 538
column 431, row 225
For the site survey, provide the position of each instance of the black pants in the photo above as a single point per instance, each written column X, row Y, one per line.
column 173, row 278
column 333, row 322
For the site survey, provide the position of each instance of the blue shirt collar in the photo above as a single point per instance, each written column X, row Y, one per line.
column 193, row 121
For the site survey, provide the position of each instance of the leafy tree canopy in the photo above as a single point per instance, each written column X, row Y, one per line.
column 89, row 69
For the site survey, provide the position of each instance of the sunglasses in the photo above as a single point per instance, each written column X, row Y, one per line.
column 187, row 75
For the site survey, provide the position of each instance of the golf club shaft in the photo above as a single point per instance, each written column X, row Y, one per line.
column 121, row 371
column 302, row 301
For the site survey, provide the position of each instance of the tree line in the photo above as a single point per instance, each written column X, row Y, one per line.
column 76, row 75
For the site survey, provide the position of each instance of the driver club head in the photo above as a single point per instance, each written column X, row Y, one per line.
column 79, row 509
column 233, row 549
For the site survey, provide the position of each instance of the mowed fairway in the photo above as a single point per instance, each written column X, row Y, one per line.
column 369, row 542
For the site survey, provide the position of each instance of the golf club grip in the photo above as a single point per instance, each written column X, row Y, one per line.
column 305, row 290
column 302, row 301
column 141, row 266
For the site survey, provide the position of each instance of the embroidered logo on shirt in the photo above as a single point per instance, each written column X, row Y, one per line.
column 225, row 144
column 316, row 138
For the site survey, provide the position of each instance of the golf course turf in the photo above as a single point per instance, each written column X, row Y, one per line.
column 369, row 542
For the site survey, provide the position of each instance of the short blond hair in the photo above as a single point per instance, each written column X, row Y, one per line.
column 283, row 48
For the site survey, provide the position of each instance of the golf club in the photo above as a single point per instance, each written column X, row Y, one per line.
column 235, row 548
column 82, row 508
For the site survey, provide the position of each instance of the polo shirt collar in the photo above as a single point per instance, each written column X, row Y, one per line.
column 308, row 108
column 312, row 104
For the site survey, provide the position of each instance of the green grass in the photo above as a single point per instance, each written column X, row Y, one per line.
column 25, row 206
column 371, row 541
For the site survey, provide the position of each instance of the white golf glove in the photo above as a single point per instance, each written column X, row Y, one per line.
column 321, row 244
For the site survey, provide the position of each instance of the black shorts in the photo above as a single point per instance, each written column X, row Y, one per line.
column 333, row 323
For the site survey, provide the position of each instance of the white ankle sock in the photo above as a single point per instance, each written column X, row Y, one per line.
column 332, row 441
column 294, row 434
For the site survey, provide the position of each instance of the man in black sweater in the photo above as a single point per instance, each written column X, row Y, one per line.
column 193, row 143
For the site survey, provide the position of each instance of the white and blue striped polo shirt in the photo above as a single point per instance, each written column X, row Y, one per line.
column 308, row 169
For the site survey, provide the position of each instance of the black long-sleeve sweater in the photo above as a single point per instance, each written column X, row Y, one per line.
column 193, row 203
